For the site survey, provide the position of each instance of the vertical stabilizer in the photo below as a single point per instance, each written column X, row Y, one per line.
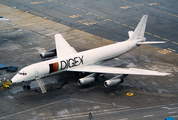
column 140, row 29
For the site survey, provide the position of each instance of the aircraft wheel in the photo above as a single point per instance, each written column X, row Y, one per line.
column 28, row 87
column 24, row 86
column 122, row 80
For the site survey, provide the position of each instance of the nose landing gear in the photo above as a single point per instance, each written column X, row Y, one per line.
column 26, row 86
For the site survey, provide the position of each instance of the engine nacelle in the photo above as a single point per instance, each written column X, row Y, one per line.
column 50, row 53
column 115, row 81
column 87, row 80
column 109, row 83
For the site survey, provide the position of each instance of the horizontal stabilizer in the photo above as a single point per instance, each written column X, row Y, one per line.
column 151, row 42
column 130, row 34
column 116, row 70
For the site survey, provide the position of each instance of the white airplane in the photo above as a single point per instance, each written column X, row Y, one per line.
column 68, row 59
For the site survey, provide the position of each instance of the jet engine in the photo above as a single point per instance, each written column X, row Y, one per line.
column 115, row 81
column 109, row 83
column 87, row 80
column 50, row 53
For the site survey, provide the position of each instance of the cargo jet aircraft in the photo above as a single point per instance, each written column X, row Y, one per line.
column 68, row 59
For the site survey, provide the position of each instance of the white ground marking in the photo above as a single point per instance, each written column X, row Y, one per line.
column 175, row 116
column 148, row 116
column 31, row 109
column 99, row 103
column 170, row 108
column 123, row 119
column 110, row 111
column 66, row 116
column 172, row 112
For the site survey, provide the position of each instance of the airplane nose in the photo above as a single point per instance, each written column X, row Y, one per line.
column 14, row 79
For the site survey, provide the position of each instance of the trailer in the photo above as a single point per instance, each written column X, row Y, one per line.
column 169, row 118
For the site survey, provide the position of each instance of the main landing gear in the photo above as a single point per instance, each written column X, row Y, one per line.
column 40, row 83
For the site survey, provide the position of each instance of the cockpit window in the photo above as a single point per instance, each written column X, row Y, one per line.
column 22, row 73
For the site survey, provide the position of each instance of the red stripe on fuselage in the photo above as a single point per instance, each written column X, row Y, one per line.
column 54, row 67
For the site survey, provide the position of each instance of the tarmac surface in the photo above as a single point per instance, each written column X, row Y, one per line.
column 31, row 31
column 110, row 20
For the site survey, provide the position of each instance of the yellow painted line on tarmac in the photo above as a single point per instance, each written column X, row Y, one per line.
column 174, row 42
column 102, row 17
column 124, row 24
column 165, row 39
column 106, row 19
column 75, row 16
column 148, row 33
column 109, row 19
column 117, row 22
column 131, row 27
column 86, row 23
column 164, row 51
column 161, row 11
column 151, row 8
column 157, row 36
column 88, row 13
column 171, row 49
column 72, row 6
column 17, row 26
column 96, row 15
column 66, row 4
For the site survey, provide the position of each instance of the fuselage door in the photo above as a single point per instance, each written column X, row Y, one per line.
column 36, row 73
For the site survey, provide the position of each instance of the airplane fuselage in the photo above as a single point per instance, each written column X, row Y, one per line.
column 61, row 64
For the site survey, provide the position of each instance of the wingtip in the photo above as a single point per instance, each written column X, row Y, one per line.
column 57, row 35
column 168, row 74
column 165, row 74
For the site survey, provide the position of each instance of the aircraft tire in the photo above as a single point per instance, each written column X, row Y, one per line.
column 24, row 86
column 28, row 87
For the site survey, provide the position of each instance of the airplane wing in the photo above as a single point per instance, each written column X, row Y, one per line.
column 115, row 70
column 150, row 42
column 62, row 46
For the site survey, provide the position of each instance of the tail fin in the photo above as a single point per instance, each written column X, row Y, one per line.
column 140, row 29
